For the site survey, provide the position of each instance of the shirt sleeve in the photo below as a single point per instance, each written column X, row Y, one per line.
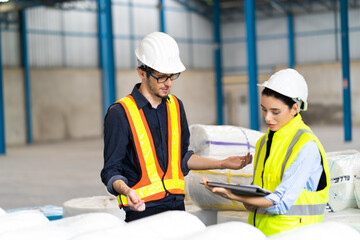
column 303, row 173
column 115, row 147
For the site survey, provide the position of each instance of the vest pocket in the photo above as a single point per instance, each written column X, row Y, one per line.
column 281, row 223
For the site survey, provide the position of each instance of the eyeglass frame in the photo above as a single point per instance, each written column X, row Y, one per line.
column 176, row 75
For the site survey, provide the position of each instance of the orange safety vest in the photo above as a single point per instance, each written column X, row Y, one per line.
column 153, row 185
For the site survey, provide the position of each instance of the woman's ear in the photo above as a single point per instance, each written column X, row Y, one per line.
column 294, row 109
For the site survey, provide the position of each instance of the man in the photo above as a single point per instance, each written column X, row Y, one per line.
column 146, row 137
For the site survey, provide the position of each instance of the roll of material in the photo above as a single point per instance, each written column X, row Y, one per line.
column 65, row 228
column 107, row 204
column 349, row 216
column 328, row 231
column 344, row 166
column 229, row 230
column 230, row 216
column 20, row 220
column 210, row 140
column 219, row 142
column 163, row 226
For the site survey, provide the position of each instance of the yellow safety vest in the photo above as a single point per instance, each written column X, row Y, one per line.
column 153, row 184
column 286, row 144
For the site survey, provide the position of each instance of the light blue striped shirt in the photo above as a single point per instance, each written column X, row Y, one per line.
column 303, row 173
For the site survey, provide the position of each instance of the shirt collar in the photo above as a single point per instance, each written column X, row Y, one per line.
column 140, row 100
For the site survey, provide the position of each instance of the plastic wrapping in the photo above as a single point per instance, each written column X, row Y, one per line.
column 219, row 142
column 357, row 188
column 19, row 220
column 344, row 166
column 2, row 212
column 66, row 228
column 349, row 216
column 328, row 231
column 229, row 230
column 163, row 226
column 108, row 204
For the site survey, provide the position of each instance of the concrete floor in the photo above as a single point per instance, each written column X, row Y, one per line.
column 52, row 173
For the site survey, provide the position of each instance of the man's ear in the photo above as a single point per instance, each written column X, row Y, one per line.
column 142, row 74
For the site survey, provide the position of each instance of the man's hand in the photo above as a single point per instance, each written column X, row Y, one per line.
column 236, row 162
column 134, row 201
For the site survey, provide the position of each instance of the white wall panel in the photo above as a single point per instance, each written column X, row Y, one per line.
column 203, row 56
column 146, row 20
column 81, row 52
column 273, row 52
column 80, row 21
column 177, row 24
column 45, row 50
column 121, row 19
column 234, row 54
column 10, row 48
column 312, row 49
column 124, row 54
column 202, row 28
column 314, row 22
column 43, row 18
column 273, row 26
column 233, row 30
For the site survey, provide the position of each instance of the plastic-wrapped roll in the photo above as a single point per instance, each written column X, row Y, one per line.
column 19, row 220
column 343, row 167
column 229, row 230
column 66, row 228
column 220, row 142
column 108, row 204
column 328, row 231
column 163, row 226
column 210, row 140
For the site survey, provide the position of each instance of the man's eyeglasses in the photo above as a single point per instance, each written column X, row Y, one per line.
column 163, row 79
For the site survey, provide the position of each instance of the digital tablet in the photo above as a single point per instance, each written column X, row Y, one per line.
column 244, row 190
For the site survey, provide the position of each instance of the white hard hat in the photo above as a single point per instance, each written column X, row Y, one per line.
column 290, row 83
column 160, row 52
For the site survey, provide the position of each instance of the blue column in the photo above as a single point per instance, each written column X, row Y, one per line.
column 252, row 63
column 106, row 47
column 162, row 16
column 345, row 68
column 291, row 40
column 25, row 64
column 2, row 122
column 217, row 62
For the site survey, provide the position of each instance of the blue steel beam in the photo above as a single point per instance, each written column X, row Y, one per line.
column 252, row 63
column 291, row 40
column 162, row 16
column 345, row 68
column 217, row 62
column 25, row 63
column 106, row 47
column 2, row 122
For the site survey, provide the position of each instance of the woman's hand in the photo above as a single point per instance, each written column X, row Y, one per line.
column 223, row 192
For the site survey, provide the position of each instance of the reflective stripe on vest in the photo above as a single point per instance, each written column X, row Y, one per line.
column 151, row 187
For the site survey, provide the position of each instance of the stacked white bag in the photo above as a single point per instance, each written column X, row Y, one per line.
column 344, row 167
column 220, row 142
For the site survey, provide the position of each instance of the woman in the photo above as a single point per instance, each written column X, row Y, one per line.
column 289, row 161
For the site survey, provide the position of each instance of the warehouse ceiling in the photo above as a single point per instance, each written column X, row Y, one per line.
column 15, row 5
column 231, row 10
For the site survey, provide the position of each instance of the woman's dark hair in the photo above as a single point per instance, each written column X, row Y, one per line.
column 271, row 93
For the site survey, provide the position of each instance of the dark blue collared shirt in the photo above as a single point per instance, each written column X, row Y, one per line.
column 120, row 157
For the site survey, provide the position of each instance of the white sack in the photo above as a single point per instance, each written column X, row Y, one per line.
column 229, row 230
column 66, row 228
column 2, row 212
column 328, row 231
column 357, row 189
column 20, row 220
column 349, row 216
column 163, row 226
column 343, row 167
column 219, row 142
column 108, row 204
